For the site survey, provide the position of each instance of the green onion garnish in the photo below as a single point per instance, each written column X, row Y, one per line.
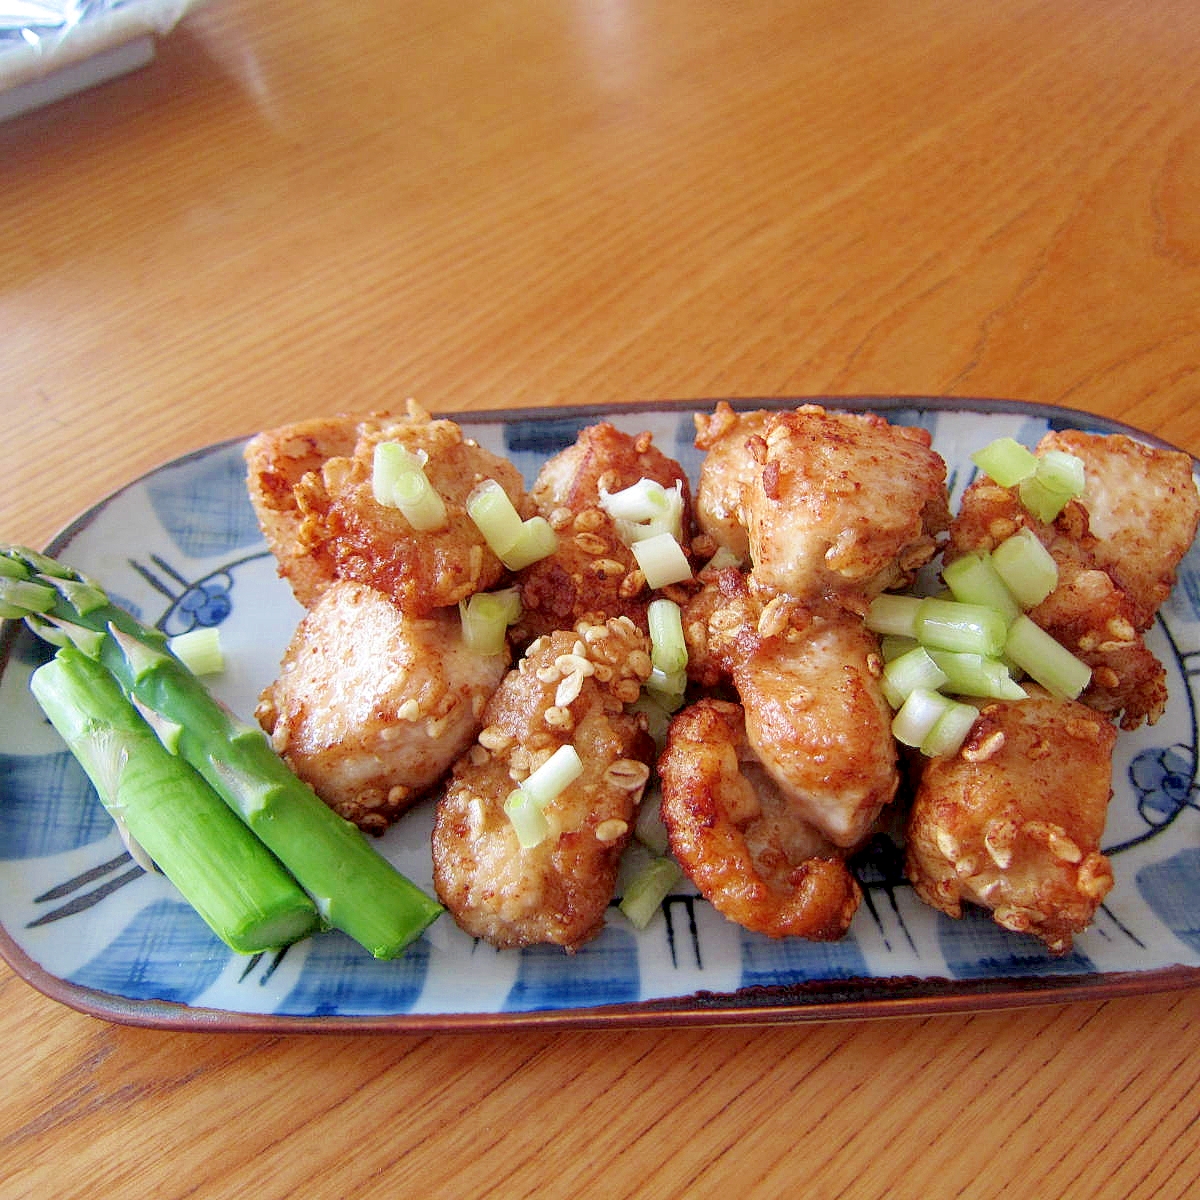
column 525, row 805
column 1027, row 568
column 952, row 625
column 894, row 615
column 1046, row 660
column 398, row 480
column 486, row 617
column 914, row 669
column 648, row 889
column 1006, row 461
column 662, row 560
column 514, row 542
column 973, row 579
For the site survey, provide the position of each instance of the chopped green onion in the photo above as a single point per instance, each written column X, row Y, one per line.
column 1059, row 478
column 667, row 687
column 668, row 650
column 893, row 614
column 949, row 730
column 1006, row 461
column 1045, row 660
column 915, row 669
column 537, row 541
column 892, row 645
column 977, row 675
column 398, row 480
column 495, row 516
column 648, row 889
column 199, row 650
column 515, row 543
column 1027, row 567
column 486, row 617
column 649, row 828
column 918, row 715
column 645, row 509
column 527, row 819
column 657, row 713
column 933, row 723
column 557, row 773
column 952, row 625
column 662, row 560
column 973, row 579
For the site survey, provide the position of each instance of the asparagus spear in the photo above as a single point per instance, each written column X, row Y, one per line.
column 354, row 887
column 227, row 875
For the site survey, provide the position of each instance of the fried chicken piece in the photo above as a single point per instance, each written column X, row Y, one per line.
column 350, row 535
column 726, row 470
column 1013, row 821
column 1117, row 550
column 372, row 706
column 836, row 505
column 1143, row 510
column 570, row 688
column 743, row 842
column 593, row 571
column 809, row 680
column 276, row 461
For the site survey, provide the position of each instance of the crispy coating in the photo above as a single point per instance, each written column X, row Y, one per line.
column 276, row 461
column 808, row 678
column 1117, row 550
column 1143, row 510
column 1013, row 821
column 571, row 687
column 350, row 535
column 836, row 505
column 743, row 842
column 593, row 571
column 371, row 705
column 726, row 470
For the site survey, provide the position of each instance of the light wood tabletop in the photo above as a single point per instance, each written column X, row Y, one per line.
column 300, row 209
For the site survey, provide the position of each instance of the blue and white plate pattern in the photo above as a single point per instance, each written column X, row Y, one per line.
column 181, row 548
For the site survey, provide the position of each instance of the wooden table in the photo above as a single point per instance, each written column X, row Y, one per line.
column 303, row 208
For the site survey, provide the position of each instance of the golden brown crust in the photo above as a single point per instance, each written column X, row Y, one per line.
column 593, row 571
column 1013, row 821
column 740, row 840
column 571, row 687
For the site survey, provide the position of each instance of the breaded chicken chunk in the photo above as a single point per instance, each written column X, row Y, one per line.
column 276, row 461
column 746, row 845
column 372, row 706
column 593, row 571
column 350, row 535
column 1143, row 510
column 1013, row 821
column 726, row 470
column 836, row 505
column 570, row 688
column 809, row 681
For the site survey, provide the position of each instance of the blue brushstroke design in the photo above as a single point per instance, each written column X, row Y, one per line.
column 165, row 953
column 47, row 806
column 767, row 962
column 203, row 504
column 975, row 947
column 340, row 978
column 603, row 971
column 1169, row 887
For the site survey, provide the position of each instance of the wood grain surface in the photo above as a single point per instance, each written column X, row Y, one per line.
column 298, row 209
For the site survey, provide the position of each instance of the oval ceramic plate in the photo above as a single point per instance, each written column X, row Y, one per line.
column 181, row 548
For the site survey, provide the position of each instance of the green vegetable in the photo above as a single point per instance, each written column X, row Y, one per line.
column 199, row 650
column 223, row 871
column 1027, row 568
column 952, row 625
column 933, row 723
column 1042, row 658
column 1006, row 461
column 662, row 560
column 645, row 509
column 914, row 669
column 973, row 579
column 354, row 887
column 514, row 542
column 398, row 480
column 486, row 617
column 648, row 889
